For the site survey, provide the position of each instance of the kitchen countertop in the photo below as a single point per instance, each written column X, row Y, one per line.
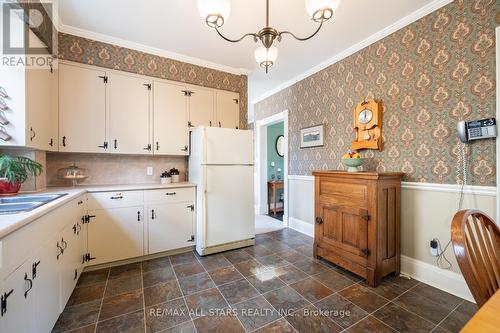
column 12, row 222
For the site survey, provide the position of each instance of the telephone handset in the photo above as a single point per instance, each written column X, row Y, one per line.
column 477, row 129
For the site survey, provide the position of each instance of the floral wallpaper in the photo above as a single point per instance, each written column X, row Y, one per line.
column 96, row 53
column 430, row 74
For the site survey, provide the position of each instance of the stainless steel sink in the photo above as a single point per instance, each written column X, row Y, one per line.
column 25, row 203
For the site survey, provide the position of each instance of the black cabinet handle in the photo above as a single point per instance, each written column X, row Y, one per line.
column 170, row 193
column 76, row 275
column 157, row 145
column 30, row 282
column 3, row 302
column 64, row 244
column 153, row 215
column 138, row 216
column 75, row 229
column 80, row 202
column 319, row 221
column 33, row 133
column 220, row 124
column 116, row 144
column 117, row 197
column 64, row 141
column 210, row 123
column 61, row 250
column 51, row 142
column 34, row 269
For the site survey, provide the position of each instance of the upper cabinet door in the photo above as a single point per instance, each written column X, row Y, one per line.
column 129, row 99
column 201, row 107
column 228, row 109
column 170, row 119
column 82, row 109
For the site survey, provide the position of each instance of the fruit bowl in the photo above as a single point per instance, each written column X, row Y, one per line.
column 352, row 164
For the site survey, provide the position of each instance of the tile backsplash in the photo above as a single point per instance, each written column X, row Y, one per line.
column 111, row 169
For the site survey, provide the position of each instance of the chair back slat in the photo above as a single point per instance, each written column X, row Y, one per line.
column 476, row 243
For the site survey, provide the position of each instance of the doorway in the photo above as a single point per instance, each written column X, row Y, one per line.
column 271, row 176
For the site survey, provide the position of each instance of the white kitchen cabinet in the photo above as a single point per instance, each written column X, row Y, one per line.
column 228, row 109
column 115, row 234
column 201, row 106
column 82, row 109
column 129, row 118
column 170, row 119
column 18, row 312
column 170, row 226
column 71, row 260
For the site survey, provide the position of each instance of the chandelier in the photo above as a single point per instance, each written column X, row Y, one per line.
column 216, row 12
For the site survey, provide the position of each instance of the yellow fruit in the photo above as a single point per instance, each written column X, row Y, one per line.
column 346, row 156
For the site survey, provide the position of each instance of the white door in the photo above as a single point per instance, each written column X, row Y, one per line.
column 170, row 119
column 170, row 226
column 82, row 109
column 228, row 109
column 115, row 234
column 46, row 280
column 228, row 146
column 201, row 107
column 19, row 309
column 129, row 98
column 71, row 262
column 229, row 204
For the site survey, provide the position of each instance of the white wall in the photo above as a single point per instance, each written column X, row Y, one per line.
column 426, row 213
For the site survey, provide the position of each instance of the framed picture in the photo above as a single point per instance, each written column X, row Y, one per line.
column 312, row 136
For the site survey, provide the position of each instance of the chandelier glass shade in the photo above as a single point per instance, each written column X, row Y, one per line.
column 216, row 12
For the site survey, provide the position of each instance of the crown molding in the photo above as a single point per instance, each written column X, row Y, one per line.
column 67, row 29
column 405, row 21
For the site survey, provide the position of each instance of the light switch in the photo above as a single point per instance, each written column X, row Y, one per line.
column 149, row 171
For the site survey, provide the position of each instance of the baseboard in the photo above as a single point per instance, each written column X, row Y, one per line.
column 301, row 226
column 448, row 281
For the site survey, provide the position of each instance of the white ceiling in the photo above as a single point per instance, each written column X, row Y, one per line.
column 174, row 26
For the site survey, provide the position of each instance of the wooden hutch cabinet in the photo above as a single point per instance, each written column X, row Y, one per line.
column 357, row 221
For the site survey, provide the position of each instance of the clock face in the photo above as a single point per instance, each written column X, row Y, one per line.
column 365, row 116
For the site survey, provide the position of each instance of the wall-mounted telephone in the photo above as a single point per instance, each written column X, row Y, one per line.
column 477, row 129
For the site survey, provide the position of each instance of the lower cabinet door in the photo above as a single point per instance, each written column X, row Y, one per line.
column 17, row 291
column 115, row 234
column 170, row 226
column 71, row 260
column 47, row 285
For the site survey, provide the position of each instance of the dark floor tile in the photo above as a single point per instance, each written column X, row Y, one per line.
column 279, row 326
column 206, row 303
column 333, row 280
column 363, row 298
column 121, row 304
column 422, row 306
column 238, row 291
column 285, row 300
column 370, row 325
column 256, row 313
column 438, row 296
column 187, row 327
column 154, row 264
column 237, row 256
column 387, row 289
column 310, row 319
column 277, row 246
column 306, row 250
column 272, row 260
column 93, row 277
column 214, row 262
column 266, row 281
column 123, row 285
column 123, row 271
column 291, row 256
column 439, row 329
column 161, row 293
column 402, row 320
column 258, row 251
column 152, row 277
column 86, row 329
column 77, row 316
column 310, row 266
column 194, row 283
column 402, row 281
column 187, row 269
column 290, row 274
column 218, row 324
column 86, row 294
column 311, row 289
column 129, row 323
column 183, row 258
column 166, row 315
column 225, row 275
column 458, row 318
column 250, row 267
column 340, row 310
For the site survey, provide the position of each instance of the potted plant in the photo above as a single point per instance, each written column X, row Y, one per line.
column 166, row 178
column 175, row 175
column 14, row 170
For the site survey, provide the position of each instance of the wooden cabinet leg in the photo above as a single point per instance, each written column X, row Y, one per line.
column 371, row 278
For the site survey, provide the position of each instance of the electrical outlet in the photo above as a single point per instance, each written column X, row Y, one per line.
column 149, row 171
column 434, row 247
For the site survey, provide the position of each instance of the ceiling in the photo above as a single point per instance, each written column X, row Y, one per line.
column 175, row 26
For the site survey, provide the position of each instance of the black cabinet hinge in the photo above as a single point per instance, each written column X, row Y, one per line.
column 190, row 124
column 366, row 252
column 104, row 78
column 3, row 302
column 148, row 85
column 104, row 145
column 191, row 239
column 34, row 268
column 86, row 218
column 188, row 93
column 87, row 257
column 191, row 207
column 236, row 101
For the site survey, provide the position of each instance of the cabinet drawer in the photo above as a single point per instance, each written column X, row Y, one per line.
column 104, row 200
column 343, row 194
column 170, row 195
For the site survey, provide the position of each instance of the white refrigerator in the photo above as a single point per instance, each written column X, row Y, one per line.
column 221, row 166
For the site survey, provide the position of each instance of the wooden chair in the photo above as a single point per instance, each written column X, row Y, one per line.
column 476, row 243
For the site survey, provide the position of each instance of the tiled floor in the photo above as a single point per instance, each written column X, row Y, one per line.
column 274, row 286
